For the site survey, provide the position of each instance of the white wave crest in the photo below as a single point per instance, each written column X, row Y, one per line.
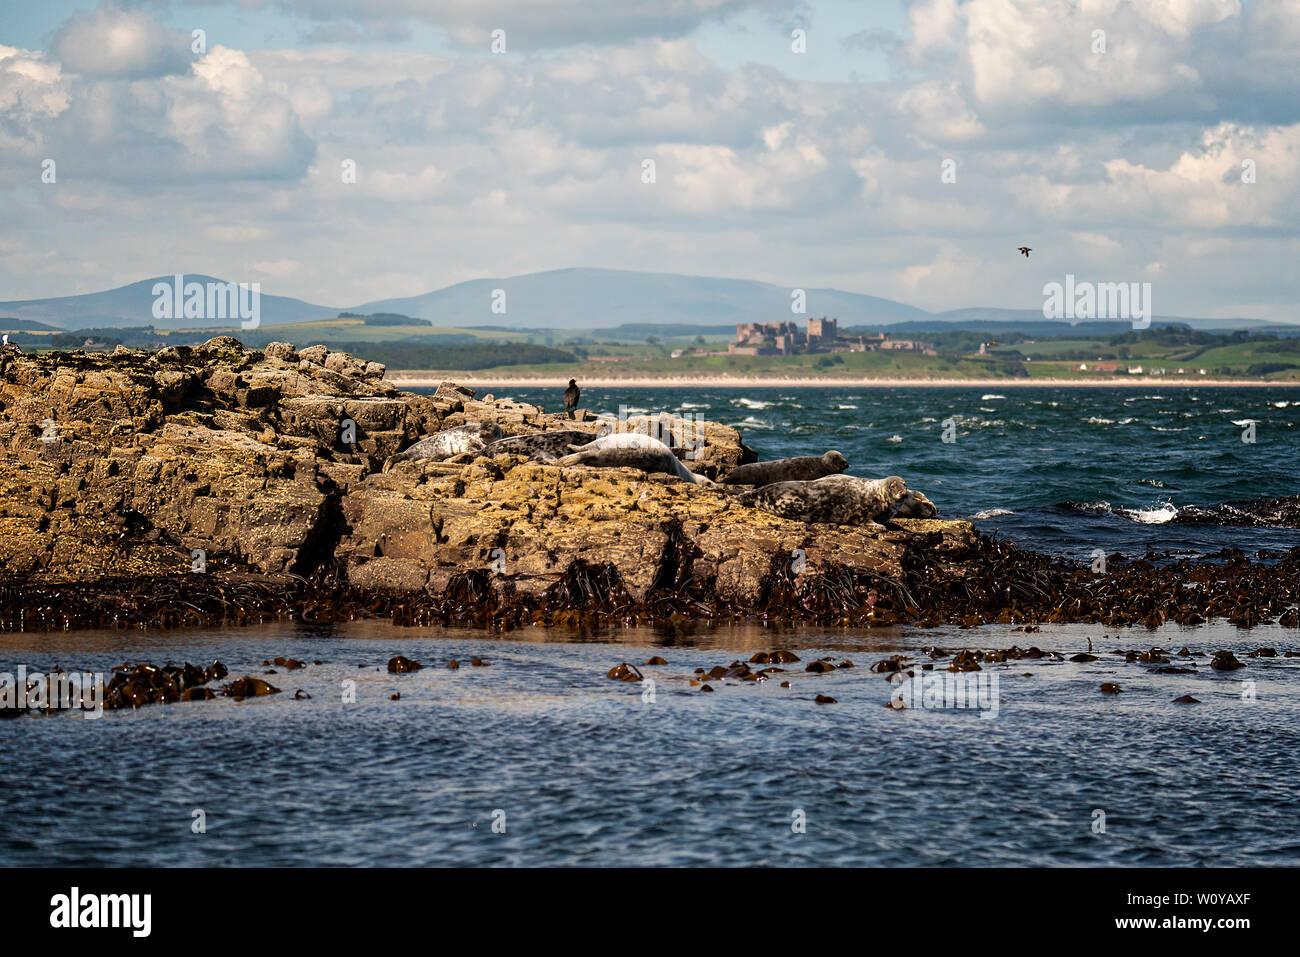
column 1165, row 512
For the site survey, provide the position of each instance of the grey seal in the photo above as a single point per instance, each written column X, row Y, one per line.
column 805, row 468
column 542, row 446
column 470, row 437
column 841, row 500
column 634, row 451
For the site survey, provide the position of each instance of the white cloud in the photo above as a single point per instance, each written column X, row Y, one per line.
column 33, row 91
column 938, row 111
column 479, row 165
column 1204, row 188
column 1179, row 18
column 225, row 121
column 114, row 42
column 1180, row 54
column 529, row 24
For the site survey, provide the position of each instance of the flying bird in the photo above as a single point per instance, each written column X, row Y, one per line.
column 571, row 396
column 1024, row 251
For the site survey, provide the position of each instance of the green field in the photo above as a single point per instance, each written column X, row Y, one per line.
column 1232, row 361
column 417, row 346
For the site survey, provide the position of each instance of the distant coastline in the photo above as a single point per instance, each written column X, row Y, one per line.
column 418, row 379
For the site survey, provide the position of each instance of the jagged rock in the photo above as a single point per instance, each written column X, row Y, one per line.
column 222, row 344
column 284, row 351
column 314, row 355
column 270, row 464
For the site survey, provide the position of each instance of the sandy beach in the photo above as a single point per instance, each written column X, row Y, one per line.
column 416, row 379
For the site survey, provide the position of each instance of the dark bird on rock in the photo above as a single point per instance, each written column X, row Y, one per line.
column 571, row 396
column 1024, row 251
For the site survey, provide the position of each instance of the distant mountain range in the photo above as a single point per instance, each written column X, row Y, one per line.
column 132, row 305
column 560, row 299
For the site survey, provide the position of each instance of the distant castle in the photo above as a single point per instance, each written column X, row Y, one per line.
column 786, row 338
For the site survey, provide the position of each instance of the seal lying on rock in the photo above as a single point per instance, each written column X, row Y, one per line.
column 631, row 450
column 470, row 437
column 805, row 468
column 841, row 500
column 542, row 446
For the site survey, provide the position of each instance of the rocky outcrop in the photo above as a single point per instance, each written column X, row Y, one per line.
column 220, row 463
column 125, row 465
column 221, row 484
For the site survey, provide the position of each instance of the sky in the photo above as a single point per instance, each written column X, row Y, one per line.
column 900, row 148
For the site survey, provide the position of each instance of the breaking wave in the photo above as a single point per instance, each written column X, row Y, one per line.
column 991, row 513
column 1255, row 513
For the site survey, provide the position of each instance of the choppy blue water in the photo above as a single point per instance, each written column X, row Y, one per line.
column 574, row 768
column 581, row 769
column 1062, row 469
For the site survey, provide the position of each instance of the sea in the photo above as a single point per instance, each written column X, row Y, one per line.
column 535, row 757
column 1065, row 470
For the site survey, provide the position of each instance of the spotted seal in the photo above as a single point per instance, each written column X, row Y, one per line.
column 841, row 500
column 805, row 468
column 631, row 450
column 542, row 446
column 470, row 437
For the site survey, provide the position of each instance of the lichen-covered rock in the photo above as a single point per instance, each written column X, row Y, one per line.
column 283, row 351
column 220, row 457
